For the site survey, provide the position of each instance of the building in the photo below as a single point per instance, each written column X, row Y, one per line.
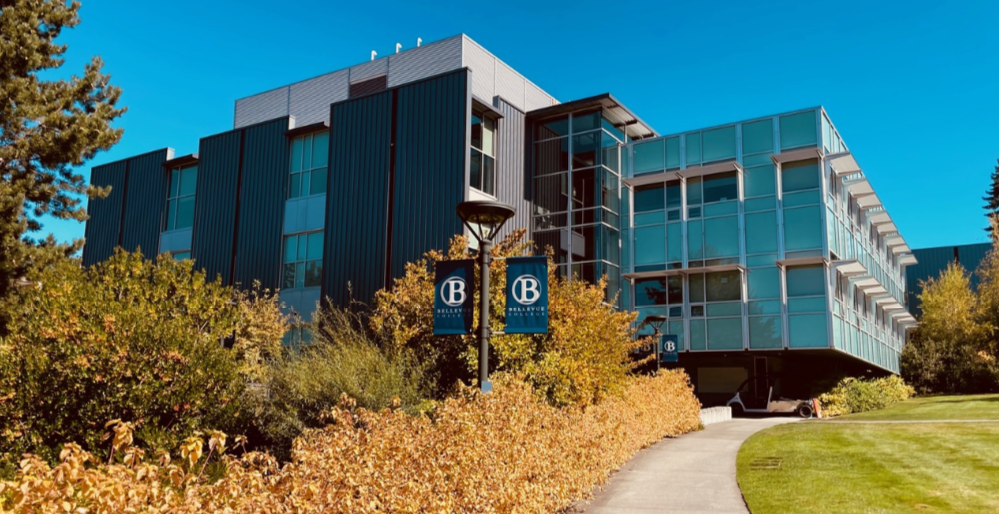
column 932, row 261
column 762, row 241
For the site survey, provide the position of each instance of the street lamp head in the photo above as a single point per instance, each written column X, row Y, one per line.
column 656, row 320
column 484, row 218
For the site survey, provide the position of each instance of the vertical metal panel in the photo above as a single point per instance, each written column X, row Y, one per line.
column 426, row 61
column 261, row 107
column 932, row 261
column 261, row 204
column 104, row 226
column 357, row 198
column 310, row 99
column 215, row 204
column 431, row 145
column 147, row 192
column 513, row 185
column 510, row 85
column 971, row 256
column 482, row 64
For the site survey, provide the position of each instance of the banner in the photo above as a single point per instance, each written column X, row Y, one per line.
column 453, row 298
column 527, row 295
column 668, row 349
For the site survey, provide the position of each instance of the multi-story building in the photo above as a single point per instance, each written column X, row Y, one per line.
column 761, row 241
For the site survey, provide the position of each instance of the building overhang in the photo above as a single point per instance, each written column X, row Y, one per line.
column 850, row 268
column 307, row 129
column 684, row 271
column 888, row 227
column 843, row 164
column 907, row 259
column 879, row 217
column 688, row 172
column 797, row 155
column 616, row 112
column 492, row 111
column 875, row 289
column 859, row 187
column 181, row 162
column 870, row 201
column 902, row 248
column 865, row 281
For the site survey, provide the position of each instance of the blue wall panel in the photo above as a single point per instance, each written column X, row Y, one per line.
column 932, row 261
column 103, row 230
column 147, row 192
column 215, row 206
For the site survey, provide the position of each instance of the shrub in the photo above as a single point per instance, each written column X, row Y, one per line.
column 502, row 452
column 853, row 395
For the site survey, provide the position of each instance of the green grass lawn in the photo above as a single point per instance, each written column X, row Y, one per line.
column 824, row 467
column 982, row 406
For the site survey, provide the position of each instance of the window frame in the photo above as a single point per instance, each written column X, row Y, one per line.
column 303, row 171
column 170, row 217
column 483, row 114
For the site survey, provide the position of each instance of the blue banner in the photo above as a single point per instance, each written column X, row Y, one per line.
column 527, row 295
column 453, row 299
column 668, row 348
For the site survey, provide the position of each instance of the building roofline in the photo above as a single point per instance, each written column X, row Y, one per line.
column 605, row 100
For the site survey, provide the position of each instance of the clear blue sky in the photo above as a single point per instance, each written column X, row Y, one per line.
column 911, row 85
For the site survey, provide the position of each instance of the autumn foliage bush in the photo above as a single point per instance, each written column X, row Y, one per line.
column 508, row 451
column 852, row 395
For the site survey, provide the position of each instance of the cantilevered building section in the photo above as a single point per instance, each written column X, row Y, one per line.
column 762, row 241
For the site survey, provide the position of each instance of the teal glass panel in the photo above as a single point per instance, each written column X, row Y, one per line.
column 807, row 331
column 798, row 130
column 313, row 273
column 185, row 212
column 307, row 152
column 806, row 281
column 295, row 186
column 315, row 246
column 694, row 212
column 288, row 276
column 306, row 183
column 763, row 283
column 761, row 204
column 721, row 187
column 318, row 182
column 725, row 334
column 764, row 307
column 650, row 247
column 296, row 154
column 723, row 286
column 673, row 194
column 303, row 247
column 585, row 121
column 761, row 260
column 649, row 156
column 299, row 274
column 759, row 181
column 609, row 127
column 674, row 243
column 584, row 150
column 757, row 160
column 765, row 332
column 758, row 136
column 719, row 144
column 721, row 208
column 724, row 309
column 721, row 237
column 171, row 219
column 801, row 198
column 320, row 149
column 799, row 176
column 181, row 255
column 693, row 142
column 802, row 228
column 649, row 218
column 695, row 240
column 174, row 183
column 649, row 198
column 676, row 328
column 814, row 304
column 188, row 181
column 761, row 232
column 673, row 152
column 290, row 249
column 609, row 152
column 673, row 215
column 697, row 333
column 557, row 127
column 696, row 285
column 694, row 191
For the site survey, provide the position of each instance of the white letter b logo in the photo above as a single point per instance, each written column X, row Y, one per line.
column 526, row 290
column 453, row 292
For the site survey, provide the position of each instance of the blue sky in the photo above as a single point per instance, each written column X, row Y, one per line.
column 912, row 86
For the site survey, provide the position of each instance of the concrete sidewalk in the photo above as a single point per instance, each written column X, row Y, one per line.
column 694, row 473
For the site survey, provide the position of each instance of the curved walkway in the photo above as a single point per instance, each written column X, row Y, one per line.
column 694, row 473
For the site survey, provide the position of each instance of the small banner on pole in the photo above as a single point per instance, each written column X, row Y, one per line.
column 453, row 298
column 668, row 350
column 527, row 295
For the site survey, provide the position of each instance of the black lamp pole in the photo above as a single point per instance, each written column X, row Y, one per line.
column 656, row 320
column 484, row 219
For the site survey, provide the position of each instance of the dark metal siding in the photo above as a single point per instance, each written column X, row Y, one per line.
column 261, row 204
column 932, row 261
column 513, row 185
column 430, row 178
column 147, row 192
column 357, row 198
column 215, row 205
column 103, row 229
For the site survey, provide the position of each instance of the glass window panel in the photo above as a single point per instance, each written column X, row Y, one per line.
column 551, row 193
column 320, row 149
column 295, row 185
column 299, row 274
column 318, row 185
column 673, row 152
column 554, row 128
column 759, row 181
column 799, row 176
column 188, row 181
column 764, row 283
column 614, row 131
column 765, row 332
column 675, row 290
column 306, row 183
column 693, row 142
column 673, row 194
column 303, row 247
column 694, row 212
column 721, row 208
column 488, row 175
column 695, row 240
column 725, row 334
column 697, row 311
column 724, row 309
column 694, row 191
column 758, row 136
column 649, row 218
column 674, row 243
column 181, row 255
column 797, row 130
column 807, row 331
column 313, row 273
column 584, row 150
column 765, row 307
column 761, row 204
column 802, row 228
column 650, row 247
column 296, row 154
column 806, row 281
column 174, row 183
column 676, row 328
column 171, row 219
column 585, row 121
column 476, row 140
column 649, row 156
column 649, row 198
column 696, row 282
column 697, row 334
column 315, row 246
column 721, row 187
column 761, row 260
column 306, row 152
column 650, row 291
column 801, row 198
column 719, row 144
column 488, row 136
column 475, row 169
column 761, row 232
column 673, row 215
column 584, row 189
column 815, row 304
column 723, row 286
column 721, row 237
column 185, row 212
column 757, row 160
column 551, row 156
column 290, row 249
column 609, row 152
column 288, row 276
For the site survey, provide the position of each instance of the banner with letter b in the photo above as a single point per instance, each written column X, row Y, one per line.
column 453, row 298
column 527, row 295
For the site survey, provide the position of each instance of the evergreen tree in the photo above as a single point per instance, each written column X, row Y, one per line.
column 991, row 198
column 46, row 128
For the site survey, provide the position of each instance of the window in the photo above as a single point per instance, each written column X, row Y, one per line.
column 797, row 130
column 303, row 260
column 483, row 167
column 309, row 156
column 180, row 256
column 180, row 198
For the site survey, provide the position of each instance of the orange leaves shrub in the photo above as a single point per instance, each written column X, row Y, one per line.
column 503, row 452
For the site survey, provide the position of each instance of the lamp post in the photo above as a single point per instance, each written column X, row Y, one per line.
column 484, row 219
column 656, row 320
